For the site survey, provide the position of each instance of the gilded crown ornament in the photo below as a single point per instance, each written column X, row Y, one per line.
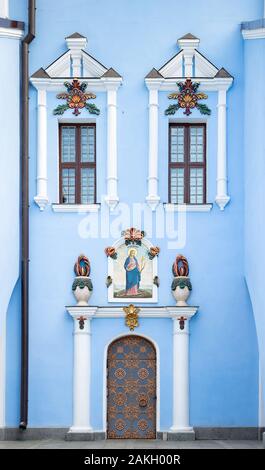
column 188, row 99
column 76, row 99
column 131, row 317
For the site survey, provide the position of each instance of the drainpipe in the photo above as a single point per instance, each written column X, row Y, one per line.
column 25, row 215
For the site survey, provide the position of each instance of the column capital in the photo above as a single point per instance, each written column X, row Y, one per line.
column 177, row 313
column 77, row 312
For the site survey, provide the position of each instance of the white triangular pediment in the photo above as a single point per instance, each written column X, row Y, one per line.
column 203, row 67
column 91, row 67
column 173, row 68
column 60, row 67
column 189, row 62
column 76, row 62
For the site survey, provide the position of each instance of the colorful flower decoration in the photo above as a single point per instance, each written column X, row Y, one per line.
column 132, row 235
column 82, row 266
column 188, row 99
column 111, row 252
column 153, row 252
column 180, row 267
column 76, row 99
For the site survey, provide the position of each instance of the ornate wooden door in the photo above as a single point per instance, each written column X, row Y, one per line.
column 131, row 389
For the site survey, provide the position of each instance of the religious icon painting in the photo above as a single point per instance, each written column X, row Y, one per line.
column 132, row 270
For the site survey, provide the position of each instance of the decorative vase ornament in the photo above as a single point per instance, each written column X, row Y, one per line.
column 82, row 286
column 181, row 285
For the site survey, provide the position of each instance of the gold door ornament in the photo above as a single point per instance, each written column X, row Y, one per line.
column 132, row 318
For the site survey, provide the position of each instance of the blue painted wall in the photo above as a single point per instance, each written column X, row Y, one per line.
column 224, row 355
column 9, row 190
column 254, row 186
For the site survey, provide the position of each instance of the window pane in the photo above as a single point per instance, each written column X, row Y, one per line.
column 177, row 185
column 196, row 186
column 196, row 144
column 68, row 144
column 177, row 144
column 88, row 144
column 68, row 185
column 87, row 186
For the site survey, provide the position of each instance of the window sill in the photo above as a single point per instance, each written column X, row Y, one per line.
column 77, row 208
column 188, row 207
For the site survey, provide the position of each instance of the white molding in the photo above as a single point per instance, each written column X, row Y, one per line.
column 153, row 198
column 4, row 8
column 77, row 208
column 111, row 262
column 11, row 33
column 207, row 84
column 157, row 377
column 41, row 199
column 57, row 84
column 253, row 33
column 188, row 43
column 145, row 312
column 188, row 207
column 222, row 197
column 112, row 197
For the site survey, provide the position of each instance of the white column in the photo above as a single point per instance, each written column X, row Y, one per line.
column 222, row 197
column 42, row 198
column 4, row 8
column 112, row 198
column 181, row 376
column 153, row 199
column 81, row 376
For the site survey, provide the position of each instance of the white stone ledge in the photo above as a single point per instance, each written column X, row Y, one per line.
column 76, row 208
column 253, row 33
column 188, row 207
column 11, row 33
column 145, row 312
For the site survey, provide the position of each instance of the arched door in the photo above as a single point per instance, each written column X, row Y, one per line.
column 131, row 389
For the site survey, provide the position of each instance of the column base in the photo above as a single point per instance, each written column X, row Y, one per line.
column 112, row 202
column 82, row 434
column 153, row 202
column 181, row 434
column 41, row 201
column 222, row 201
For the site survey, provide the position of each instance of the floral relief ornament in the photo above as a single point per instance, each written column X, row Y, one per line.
column 133, row 235
column 188, row 99
column 76, row 99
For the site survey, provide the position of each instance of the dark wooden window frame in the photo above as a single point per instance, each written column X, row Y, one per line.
column 187, row 165
column 78, row 164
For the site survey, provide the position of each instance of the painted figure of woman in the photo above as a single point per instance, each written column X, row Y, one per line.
column 133, row 273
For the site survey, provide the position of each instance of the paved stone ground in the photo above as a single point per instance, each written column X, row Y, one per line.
column 130, row 444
